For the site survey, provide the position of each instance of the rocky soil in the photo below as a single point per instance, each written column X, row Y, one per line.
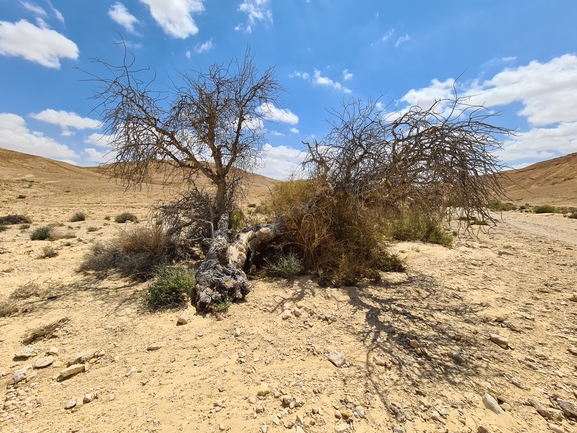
column 481, row 337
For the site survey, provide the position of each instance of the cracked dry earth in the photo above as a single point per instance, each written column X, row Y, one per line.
column 481, row 337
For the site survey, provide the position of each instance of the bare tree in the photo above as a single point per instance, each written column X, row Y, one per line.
column 205, row 128
column 437, row 159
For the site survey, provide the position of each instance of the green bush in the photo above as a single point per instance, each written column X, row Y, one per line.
column 573, row 215
column 78, row 216
column 126, row 216
column 41, row 234
column 546, row 208
column 221, row 306
column 497, row 205
column 418, row 227
column 171, row 287
column 3, row 228
column 288, row 266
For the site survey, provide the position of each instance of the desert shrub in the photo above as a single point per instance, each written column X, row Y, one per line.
column 237, row 220
column 416, row 226
column 3, row 228
column 14, row 219
column 48, row 252
column 24, row 226
column 287, row 266
column 136, row 253
column 107, row 218
column 124, row 217
column 546, row 208
column 573, row 215
column 41, row 233
column 172, row 286
column 78, row 216
column 326, row 233
column 221, row 306
column 44, row 331
column 499, row 206
column 26, row 291
column 92, row 229
column 8, row 308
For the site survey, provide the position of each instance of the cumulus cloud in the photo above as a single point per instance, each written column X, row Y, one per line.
column 347, row 75
column 547, row 92
column 15, row 135
column 280, row 162
column 318, row 79
column 37, row 44
column 175, row 16
column 101, row 140
column 66, row 120
column 273, row 113
column 99, row 157
column 120, row 14
column 402, row 40
column 257, row 11
column 203, row 48
column 294, row 130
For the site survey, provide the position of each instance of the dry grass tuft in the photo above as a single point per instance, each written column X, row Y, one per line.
column 26, row 291
column 14, row 219
column 8, row 308
column 44, row 331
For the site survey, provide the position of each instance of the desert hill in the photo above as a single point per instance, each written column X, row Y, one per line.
column 548, row 182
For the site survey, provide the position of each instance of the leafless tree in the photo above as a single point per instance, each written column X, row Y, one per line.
column 204, row 128
column 438, row 159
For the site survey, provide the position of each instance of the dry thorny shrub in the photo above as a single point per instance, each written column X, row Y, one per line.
column 136, row 253
column 44, row 331
column 27, row 291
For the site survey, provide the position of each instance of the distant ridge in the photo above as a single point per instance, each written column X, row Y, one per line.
column 548, row 182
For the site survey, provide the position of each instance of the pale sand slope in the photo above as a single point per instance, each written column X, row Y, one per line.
column 417, row 346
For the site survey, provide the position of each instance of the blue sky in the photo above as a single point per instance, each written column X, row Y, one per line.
column 519, row 58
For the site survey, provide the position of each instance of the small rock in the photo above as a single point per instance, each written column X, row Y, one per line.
column 541, row 410
column 252, row 400
column 360, row 412
column 491, row 404
column 500, row 340
column 87, row 398
column 82, row 357
column 568, row 408
column 131, row 371
column 112, row 398
column 338, row 414
column 573, row 297
column 71, row 403
column 153, row 346
column 183, row 318
column 20, row 374
column 456, row 356
column 263, row 390
column 52, row 351
column 346, row 413
column 27, row 352
column 341, row 428
column 276, row 420
column 482, row 429
column 573, row 351
column 71, row 371
column 379, row 360
column 259, row 409
column 221, row 426
column 44, row 362
column 398, row 429
column 414, row 344
column 337, row 358
column 299, row 429
column 286, row 314
column 237, row 332
column 297, row 312
column 555, row 428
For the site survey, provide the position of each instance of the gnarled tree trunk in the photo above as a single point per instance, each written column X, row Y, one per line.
column 221, row 274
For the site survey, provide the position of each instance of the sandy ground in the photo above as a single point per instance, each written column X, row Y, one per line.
column 493, row 315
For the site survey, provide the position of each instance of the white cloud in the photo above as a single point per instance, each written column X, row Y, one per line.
column 187, row 54
column 280, row 162
column 101, row 140
column 120, row 14
column 14, row 135
column 273, row 113
column 548, row 93
column 257, row 10
column 175, row 16
column 34, row 8
column 203, row 48
column 387, row 35
column 325, row 81
column 402, row 40
column 66, row 119
column 277, row 134
column 99, row 157
column 318, row 79
column 57, row 13
column 40, row 45
column 347, row 75
column 294, row 130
